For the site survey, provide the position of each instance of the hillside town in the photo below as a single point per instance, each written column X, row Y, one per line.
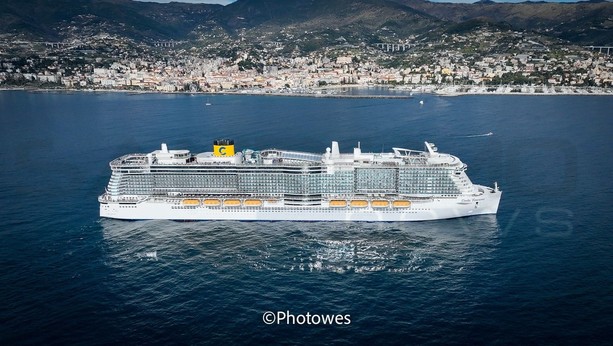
column 481, row 61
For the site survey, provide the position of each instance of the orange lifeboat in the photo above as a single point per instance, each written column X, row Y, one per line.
column 212, row 202
column 401, row 203
column 359, row 203
column 232, row 202
column 338, row 203
column 252, row 203
column 380, row 203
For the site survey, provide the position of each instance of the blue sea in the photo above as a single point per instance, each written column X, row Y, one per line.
column 539, row 272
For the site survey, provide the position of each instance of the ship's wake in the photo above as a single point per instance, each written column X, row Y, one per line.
column 480, row 135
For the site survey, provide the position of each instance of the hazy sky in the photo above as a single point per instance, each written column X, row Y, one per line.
column 225, row 2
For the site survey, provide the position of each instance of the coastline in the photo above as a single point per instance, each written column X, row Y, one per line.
column 339, row 91
column 523, row 90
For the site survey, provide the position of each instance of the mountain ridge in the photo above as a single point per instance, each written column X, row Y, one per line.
column 56, row 20
column 581, row 22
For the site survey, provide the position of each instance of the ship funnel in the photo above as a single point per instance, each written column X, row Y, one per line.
column 164, row 148
column 223, row 147
column 335, row 152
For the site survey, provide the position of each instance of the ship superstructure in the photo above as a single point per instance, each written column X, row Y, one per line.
column 272, row 184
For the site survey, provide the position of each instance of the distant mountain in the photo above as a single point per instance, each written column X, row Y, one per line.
column 354, row 20
column 588, row 22
column 57, row 19
column 370, row 20
column 318, row 14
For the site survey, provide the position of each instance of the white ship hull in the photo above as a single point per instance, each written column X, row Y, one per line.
column 432, row 209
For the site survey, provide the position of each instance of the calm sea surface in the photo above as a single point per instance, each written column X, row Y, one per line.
column 541, row 271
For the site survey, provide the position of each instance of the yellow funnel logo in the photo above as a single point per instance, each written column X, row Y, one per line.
column 223, row 147
column 223, row 150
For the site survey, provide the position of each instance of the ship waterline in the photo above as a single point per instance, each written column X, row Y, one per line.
column 272, row 184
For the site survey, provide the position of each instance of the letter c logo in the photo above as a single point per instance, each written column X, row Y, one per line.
column 222, row 151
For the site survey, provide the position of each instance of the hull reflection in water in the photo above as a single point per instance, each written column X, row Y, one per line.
column 321, row 246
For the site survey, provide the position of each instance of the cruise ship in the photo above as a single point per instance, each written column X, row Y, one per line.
column 273, row 184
